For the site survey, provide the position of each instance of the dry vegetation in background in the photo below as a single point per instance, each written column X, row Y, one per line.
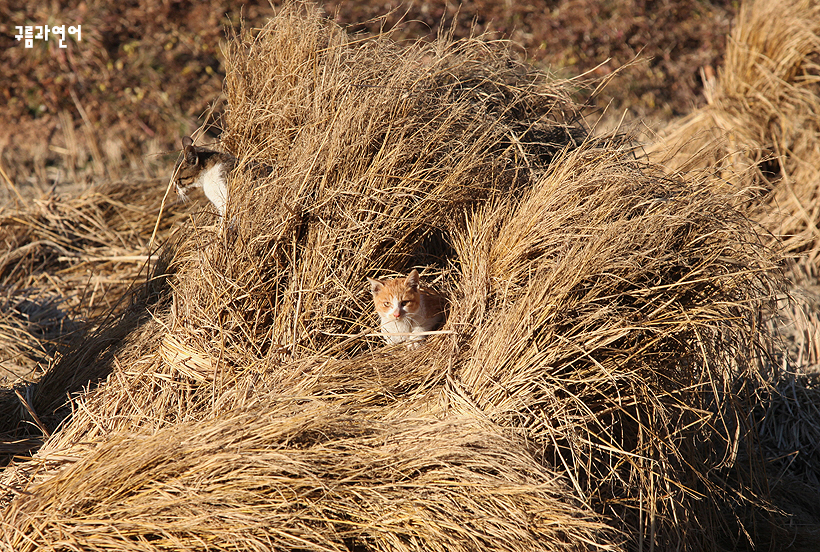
column 606, row 378
column 762, row 116
column 145, row 73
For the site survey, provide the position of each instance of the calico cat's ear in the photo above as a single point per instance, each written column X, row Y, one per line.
column 412, row 280
column 190, row 150
column 375, row 285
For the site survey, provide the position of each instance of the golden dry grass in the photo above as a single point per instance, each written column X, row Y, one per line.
column 590, row 388
column 308, row 475
column 69, row 265
column 760, row 131
column 81, row 253
column 761, row 115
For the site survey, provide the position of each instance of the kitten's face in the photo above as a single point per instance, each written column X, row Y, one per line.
column 191, row 165
column 396, row 299
column 187, row 168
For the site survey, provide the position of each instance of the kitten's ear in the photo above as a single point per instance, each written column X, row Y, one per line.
column 375, row 285
column 413, row 279
column 190, row 150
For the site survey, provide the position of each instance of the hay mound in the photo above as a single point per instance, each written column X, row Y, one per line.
column 762, row 115
column 375, row 151
column 611, row 315
column 69, row 264
column 760, row 131
column 309, row 476
column 593, row 375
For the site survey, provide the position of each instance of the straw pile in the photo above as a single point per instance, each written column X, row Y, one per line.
column 68, row 263
column 760, row 130
column 762, row 115
column 310, row 476
column 590, row 387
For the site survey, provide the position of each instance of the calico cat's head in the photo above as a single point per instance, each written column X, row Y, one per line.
column 397, row 298
column 195, row 160
column 188, row 168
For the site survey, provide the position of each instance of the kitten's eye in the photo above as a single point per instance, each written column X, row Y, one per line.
column 404, row 303
column 385, row 304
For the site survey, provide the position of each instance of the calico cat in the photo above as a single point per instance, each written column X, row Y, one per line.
column 203, row 168
column 406, row 308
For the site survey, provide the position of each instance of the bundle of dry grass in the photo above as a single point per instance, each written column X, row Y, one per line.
column 69, row 263
column 79, row 254
column 306, row 475
column 375, row 152
column 615, row 314
column 762, row 114
column 599, row 353
column 760, row 130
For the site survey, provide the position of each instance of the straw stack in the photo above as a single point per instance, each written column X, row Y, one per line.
column 762, row 116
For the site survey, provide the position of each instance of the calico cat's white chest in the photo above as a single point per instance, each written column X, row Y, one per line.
column 215, row 186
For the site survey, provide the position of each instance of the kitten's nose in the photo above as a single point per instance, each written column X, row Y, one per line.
column 397, row 314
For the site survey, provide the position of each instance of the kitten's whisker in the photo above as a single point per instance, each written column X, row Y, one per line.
column 428, row 332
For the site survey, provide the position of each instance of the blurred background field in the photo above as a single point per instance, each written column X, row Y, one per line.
column 621, row 203
column 147, row 72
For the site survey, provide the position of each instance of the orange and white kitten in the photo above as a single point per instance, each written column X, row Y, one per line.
column 406, row 308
